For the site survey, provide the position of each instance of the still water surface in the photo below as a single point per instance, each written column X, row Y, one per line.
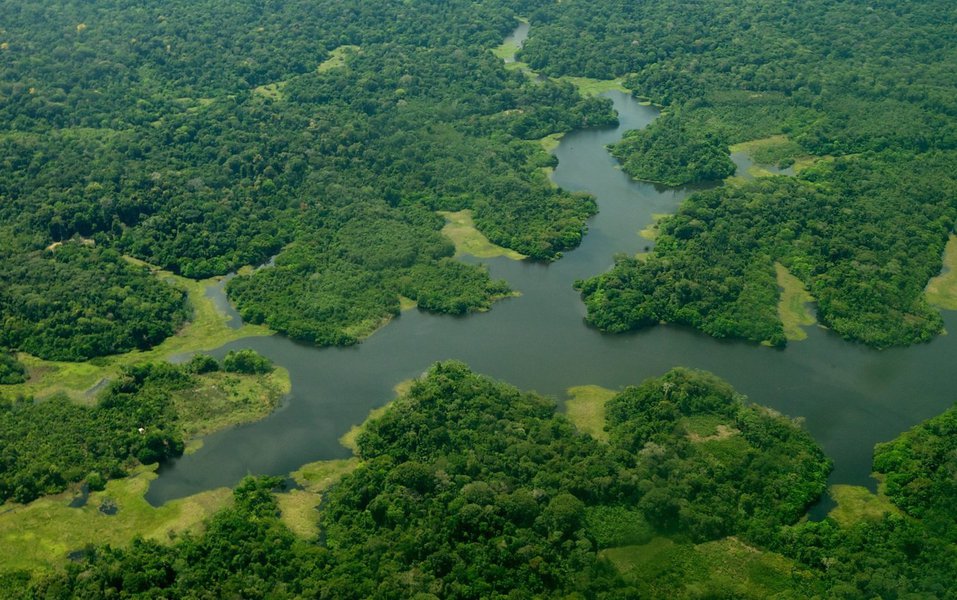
column 850, row 397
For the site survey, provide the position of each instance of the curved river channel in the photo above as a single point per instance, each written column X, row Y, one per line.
column 850, row 396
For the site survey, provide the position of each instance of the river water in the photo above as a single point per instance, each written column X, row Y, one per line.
column 849, row 396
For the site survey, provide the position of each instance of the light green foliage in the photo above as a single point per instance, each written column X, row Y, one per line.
column 857, row 503
column 586, row 409
column 793, row 304
column 460, row 228
column 723, row 568
column 942, row 289
column 38, row 536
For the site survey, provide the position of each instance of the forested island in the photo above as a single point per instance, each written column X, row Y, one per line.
column 317, row 151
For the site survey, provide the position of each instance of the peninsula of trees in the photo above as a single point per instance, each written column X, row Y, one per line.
column 864, row 91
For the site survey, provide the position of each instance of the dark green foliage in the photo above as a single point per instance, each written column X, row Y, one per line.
column 338, row 285
column 202, row 363
column 670, row 152
column 841, row 228
column 839, row 79
column 11, row 370
column 76, row 302
column 452, row 287
column 755, row 470
column 49, row 444
column 246, row 361
column 471, row 489
column 876, row 75
column 920, row 470
column 134, row 128
column 909, row 555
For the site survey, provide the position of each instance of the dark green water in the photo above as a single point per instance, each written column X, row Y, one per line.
column 850, row 396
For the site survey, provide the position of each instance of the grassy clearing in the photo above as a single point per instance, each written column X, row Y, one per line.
column 407, row 303
column 227, row 399
column 506, row 50
column 337, row 58
column 460, row 228
column 726, row 568
column 857, row 503
column 942, row 290
column 207, row 330
column 41, row 534
column 592, row 87
column 550, row 142
column 651, row 231
column 364, row 329
column 298, row 507
column 775, row 150
column 273, row 91
column 707, row 428
column 793, row 304
column 586, row 409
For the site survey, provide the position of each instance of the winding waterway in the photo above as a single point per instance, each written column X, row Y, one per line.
column 849, row 396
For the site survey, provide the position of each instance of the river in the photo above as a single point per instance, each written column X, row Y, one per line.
column 849, row 396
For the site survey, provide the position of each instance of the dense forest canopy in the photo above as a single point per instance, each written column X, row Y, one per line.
column 201, row 137
column 871, row 83
column 204, row 136
column 469, row 488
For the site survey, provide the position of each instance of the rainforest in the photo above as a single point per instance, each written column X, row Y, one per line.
column 497, row 299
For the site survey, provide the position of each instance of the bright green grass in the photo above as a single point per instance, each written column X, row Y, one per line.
column 586, row 409
column 407, row 303
column 550, row 142
column 793, row 304
column 298, row 507
column 460, row 228
column 726, row 568
column 506, row 51
column 651, row 231
column 273, row 91
column 349, row 438
column 772, row 150
column 700, row 428
column 207, row 330
column 857, row 503
column 39, row 535
column 592, row 87
column 227, row 399
column 942, row 290
column 337, row 58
